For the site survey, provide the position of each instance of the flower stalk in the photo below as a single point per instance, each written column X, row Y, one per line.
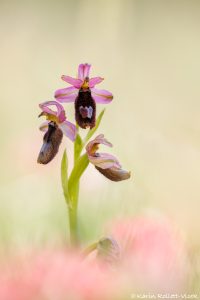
column 85, row 96
column 71, row 184
column 71, row 191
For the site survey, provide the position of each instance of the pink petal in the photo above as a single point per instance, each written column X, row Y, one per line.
column 69, row 130
column 44, row 108
column 60, row 110
column 73, row 81
column 83, row 71
column 98, row 140
column 104, row 161
column 44, row 126
column 95, row 80
column 68, row 94
column 101, row 96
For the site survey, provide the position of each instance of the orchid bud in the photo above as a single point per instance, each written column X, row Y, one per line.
column 108, row 250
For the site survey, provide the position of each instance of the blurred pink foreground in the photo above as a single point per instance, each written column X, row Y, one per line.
column 153, row 259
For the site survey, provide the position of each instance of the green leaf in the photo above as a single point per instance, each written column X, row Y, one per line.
column 73, row 183
column 94, row 129
column 64, row 176
column 78, row 146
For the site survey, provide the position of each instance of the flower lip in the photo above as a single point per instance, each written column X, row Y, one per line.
column 51, row 142
column 114, row 174
column 85, row 109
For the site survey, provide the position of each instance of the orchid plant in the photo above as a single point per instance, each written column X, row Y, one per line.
column 85, row 96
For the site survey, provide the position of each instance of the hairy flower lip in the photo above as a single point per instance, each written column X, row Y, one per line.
column 51, row 142
column 114, row 174
column 85, row 109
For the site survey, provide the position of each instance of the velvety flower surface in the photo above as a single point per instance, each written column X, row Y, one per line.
column 85, row 96
column 105, row 163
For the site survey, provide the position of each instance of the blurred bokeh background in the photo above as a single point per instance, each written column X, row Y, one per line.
column 148, row 53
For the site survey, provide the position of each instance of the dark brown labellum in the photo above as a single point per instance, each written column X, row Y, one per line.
column 51, row 143
column 114, row 174
column 85, row 109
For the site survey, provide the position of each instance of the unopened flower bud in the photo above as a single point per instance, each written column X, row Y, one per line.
column 108, row 250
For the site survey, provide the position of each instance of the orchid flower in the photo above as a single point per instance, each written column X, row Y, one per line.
column 84, row 94
column 105, row 163
column 54, row 128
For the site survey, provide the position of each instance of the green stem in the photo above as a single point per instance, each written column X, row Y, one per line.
column 73, row 215
column 71, row 185
column 73, row 226
column 73, row 189
column 90, row 249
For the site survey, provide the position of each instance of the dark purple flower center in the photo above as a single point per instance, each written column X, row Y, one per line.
column 85, row 109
